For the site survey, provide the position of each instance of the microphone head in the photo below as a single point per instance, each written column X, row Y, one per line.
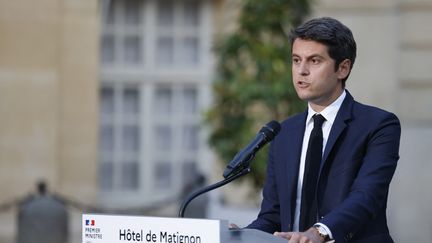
column 270, row 130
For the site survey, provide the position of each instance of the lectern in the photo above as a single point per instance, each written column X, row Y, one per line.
column 249, row 236
column 97, row 228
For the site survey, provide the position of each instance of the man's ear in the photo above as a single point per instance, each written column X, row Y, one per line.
column 344, row 69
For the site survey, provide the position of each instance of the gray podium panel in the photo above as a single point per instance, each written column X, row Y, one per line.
column 249, row 236
column 98, row 228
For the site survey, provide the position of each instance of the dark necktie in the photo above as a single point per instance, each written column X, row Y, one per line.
column 308, row 207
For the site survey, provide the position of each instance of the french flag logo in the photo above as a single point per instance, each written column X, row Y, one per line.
column 90, row 222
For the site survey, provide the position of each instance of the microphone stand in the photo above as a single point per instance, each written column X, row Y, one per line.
column 198, row 192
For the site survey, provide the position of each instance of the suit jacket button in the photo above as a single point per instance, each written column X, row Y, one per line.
column 349, row 236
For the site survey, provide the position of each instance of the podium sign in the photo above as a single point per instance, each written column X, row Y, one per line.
column 112, row 229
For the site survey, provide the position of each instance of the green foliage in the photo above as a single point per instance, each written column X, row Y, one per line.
column 254, row 84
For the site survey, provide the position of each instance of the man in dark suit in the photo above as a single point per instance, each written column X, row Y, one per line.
column 330, row 167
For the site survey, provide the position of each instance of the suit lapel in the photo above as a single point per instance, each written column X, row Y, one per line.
column 340, row 123
column 291, row 156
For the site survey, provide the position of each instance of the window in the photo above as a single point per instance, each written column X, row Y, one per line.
column 119, row 137
column 154, row 80
column 178, row 33
column 176, row 129
column 123, row 31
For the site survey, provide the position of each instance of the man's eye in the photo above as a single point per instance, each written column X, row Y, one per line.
column 296, row 60
column 316, row 60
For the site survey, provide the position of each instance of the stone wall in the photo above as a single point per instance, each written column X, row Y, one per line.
column 48, row 100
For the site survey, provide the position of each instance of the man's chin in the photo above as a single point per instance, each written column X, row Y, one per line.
column 305, row 97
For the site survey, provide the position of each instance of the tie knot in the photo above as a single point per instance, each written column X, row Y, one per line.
column 318, row 120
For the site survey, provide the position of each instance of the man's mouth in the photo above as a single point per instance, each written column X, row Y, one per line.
column 302, row 84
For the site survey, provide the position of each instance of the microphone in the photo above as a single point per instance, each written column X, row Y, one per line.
column 239, row 166
column 243, row 158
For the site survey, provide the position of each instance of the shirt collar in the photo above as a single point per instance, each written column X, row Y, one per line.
column 330, row 112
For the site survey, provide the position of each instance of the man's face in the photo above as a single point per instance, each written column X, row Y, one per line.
column 314, row 75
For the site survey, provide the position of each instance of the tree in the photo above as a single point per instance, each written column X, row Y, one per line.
column 254, row 78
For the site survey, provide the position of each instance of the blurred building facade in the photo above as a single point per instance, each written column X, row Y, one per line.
column 104, row 99
column 48, row 101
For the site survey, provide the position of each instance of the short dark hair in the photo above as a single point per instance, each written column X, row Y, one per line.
column 337, row 37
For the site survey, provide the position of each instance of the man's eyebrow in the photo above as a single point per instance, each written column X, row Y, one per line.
column 315, row 55
column 309, row 57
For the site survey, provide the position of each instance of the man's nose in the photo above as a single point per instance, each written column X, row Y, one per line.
column 303, row 69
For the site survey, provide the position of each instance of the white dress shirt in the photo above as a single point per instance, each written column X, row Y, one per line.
column 329, row 114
